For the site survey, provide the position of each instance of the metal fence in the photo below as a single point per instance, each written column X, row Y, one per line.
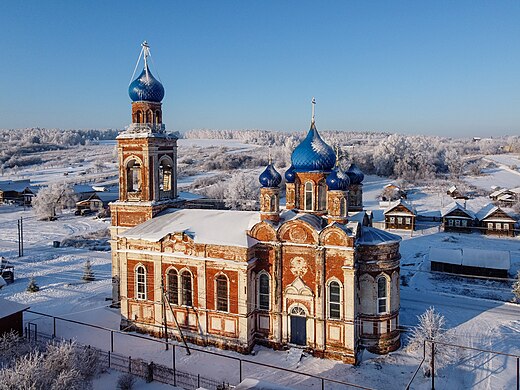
column 149, row 371
column 166, row 354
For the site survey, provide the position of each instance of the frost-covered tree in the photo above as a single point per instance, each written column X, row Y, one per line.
column 32, row 286
column 88, row 273
column 242, row 191
column 454, row 162
column 431, row 328
column 516, row 287
column 52, row 199
column 126, row 382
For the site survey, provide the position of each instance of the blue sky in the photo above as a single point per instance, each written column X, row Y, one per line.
column 419, row 67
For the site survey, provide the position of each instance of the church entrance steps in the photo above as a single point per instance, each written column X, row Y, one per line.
column 294, row 356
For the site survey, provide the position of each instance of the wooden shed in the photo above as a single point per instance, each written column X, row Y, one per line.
column 11, row 316
column 470, row 261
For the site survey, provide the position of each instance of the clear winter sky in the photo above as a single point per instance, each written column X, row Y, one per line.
column 426, row 67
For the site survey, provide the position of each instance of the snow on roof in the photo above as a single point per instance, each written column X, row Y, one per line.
column 488, row 210
column 516, row 190
column 14, row 185
column 456, row 206
column 400, row 202
column 445, row 255
column 506, row 197
column 313, row 220
column 82, row 188
column 452, row 189
column 373, row 236
column 497, row 193
column 9, row 307
column 107, row 196
column 220, row 227
column 378, row 216
column 357, row 216
column 472, row 257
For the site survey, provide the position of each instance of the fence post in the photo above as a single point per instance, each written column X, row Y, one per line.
column 198, row 380
column 53, row 327
column 108, row 359
column 517, row 373
column 149, row 373
column 173, row 364
column 240, row 371
column 130, row 364
column 433, row 365
column 322, row 384
column 111, row 341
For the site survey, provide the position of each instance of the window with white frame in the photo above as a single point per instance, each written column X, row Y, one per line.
column 263, row 292
column 322, row 196
column 400, row 220
column 186, row 288
column 506, row 226
column 392, row 219
column 308, row 196
column 450, row 222
column 408, row 220
column 457, row 222
column 490, row 225
column 140, row 282
column 498, row 226
column 381, row 295
column 173, row 286
column 334, row 301
column 464, row 223
column 222, row 293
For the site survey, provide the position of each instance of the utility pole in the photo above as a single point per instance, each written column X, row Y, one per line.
column 163, row 295
column 20, row 237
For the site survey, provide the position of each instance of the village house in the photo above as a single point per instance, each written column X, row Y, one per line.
column 304, row 276
column 97, row 203
column 400, row 215
column 495, row 221
column 17, row 192
column 458, row 218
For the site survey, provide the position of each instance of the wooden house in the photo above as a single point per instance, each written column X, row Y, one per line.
column 17, row 192
column 457, row 218
column 400, row 215
column 493, row 220
column 96, row 203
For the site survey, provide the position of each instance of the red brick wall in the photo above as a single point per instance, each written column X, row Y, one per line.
column 211, row 274
column 150, row 286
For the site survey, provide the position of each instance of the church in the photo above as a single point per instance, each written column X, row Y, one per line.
column 312, row 274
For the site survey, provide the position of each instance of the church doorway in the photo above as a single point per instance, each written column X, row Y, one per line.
column 298, row 326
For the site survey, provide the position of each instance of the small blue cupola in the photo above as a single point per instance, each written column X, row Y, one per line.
column 313, row 154
column 355, row 174
column 146, row 88
column 290, row 174
column 270, row 177
column 338, row 180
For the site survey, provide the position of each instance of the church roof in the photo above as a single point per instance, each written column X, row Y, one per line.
column 218, row 227
column 270, row 177
column 146, row 88
column 313, row 154
column 373, row 236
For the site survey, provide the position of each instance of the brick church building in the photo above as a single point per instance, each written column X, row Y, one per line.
column 309, row 274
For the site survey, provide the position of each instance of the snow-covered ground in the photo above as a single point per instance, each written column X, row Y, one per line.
column 503, row 175
column 477, row 311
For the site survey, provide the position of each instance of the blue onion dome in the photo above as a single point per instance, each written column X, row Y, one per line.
column 270, row 177
column 338, row 180
column 355, row 175
column 146, row 88
column 290, row 174
column 313, row 154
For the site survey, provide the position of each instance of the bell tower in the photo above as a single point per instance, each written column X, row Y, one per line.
column 147, row 157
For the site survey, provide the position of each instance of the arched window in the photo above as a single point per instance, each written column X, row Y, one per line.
column 308, row 196
column 334, row 301
column 263, row 292
column 158, row 118
column 274, row 202
column 165, row 175
column 149, row 116
column 343, row 207
column 173, row 286
column 381, row 295
column 322, row 196
column 133, row 176
column 140, row 282
column 222, row 293
column 298, row 311
column 138, row 116
column 186, row 290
